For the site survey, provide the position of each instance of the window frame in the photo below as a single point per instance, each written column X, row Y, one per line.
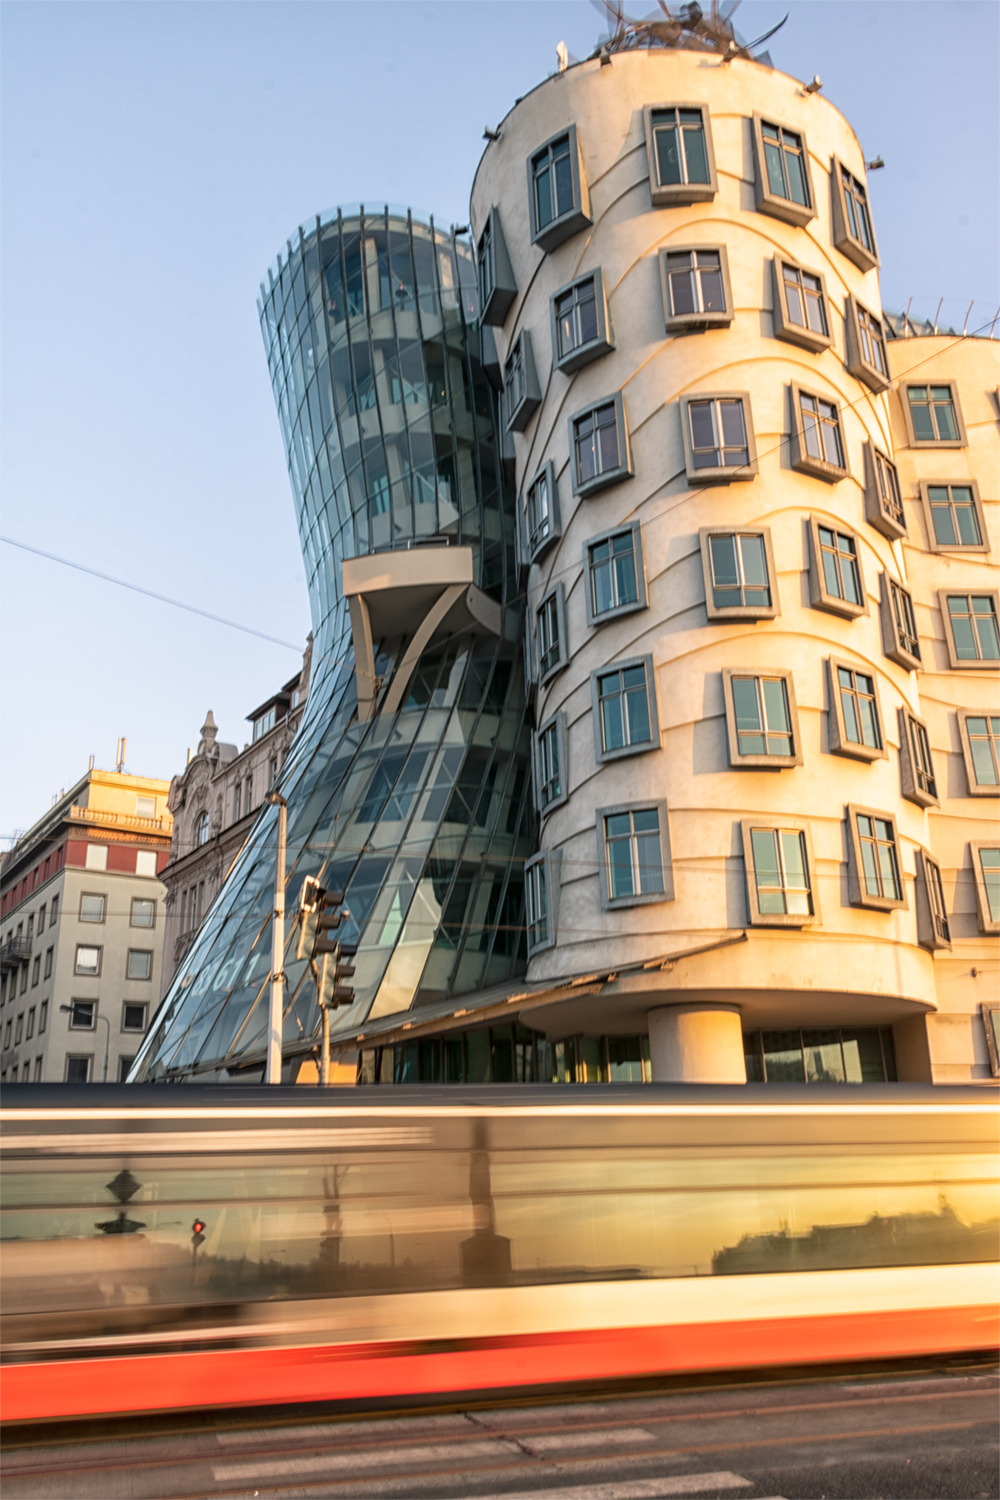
column 987, row 924
column 93, row 921
column 603, row 756
column 847, row 243
column 988, row 1008
column 857, row 365
column 594, row 348
column 908, row 770
column 136, row 978
column 84, row 1057
column 578, row 216
column 892, row 644
column 681, row 322
column 647, row 898
column 974, row 787
column 740, row 762
column 857, row 894
column 145, row 901
column 757, row 918
column 202, row 820
column 739, row 611
column 533, row 554
column 518, row 415
column 551, row 861
column 718, row 475
column 928, row 880
column 503, row 290
column 803, row 461
column 142, row 1005
column 839, row 744
column 666, row 195
column 903, row 389
column 73, row 1025
column 875, row 513
column 642, row 596
column 967, row 664
column 557, row 595
column 933, row 545
column 555, row 723
column 86, row 973
column 783, row 326
column 819, row 596
column 583, row 488
column 765, row 200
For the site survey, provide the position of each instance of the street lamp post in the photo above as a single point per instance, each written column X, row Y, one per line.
column 71, row 1010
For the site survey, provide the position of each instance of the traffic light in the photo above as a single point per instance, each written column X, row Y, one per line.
column 330, row 992
column 310, row 899
column 328, row 918
column 198, row 1233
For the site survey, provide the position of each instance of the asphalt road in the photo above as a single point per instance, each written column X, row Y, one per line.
column 928, row 1435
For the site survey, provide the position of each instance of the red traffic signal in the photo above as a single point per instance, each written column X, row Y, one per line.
column 197, row 1226
column 197, row 1234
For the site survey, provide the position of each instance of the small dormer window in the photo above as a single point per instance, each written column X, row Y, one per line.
column 264, row 723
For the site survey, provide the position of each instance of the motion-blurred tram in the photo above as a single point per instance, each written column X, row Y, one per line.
column 197, row 1247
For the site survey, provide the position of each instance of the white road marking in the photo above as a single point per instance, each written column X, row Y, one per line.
column 633, row 1489
column 551, row 1442
column 373, row 1458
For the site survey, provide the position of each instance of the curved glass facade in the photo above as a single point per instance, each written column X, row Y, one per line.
column 422, row 813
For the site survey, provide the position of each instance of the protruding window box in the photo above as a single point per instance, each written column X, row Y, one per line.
column 762, row 725
column 497, row 287
column 739, row 572
column 986, row 873
column 522, row 394
column 971, row 628
column 489, row 357
column 900, row 641
column 916, row 763
column 979, row 732
column 818, row 446
column 836, row 582
column 855, row 720
column 782, row 177
column 866, row 357
column 623, row 698
column 933, row 414
column 933, row 930
column 633, row 854
column 717, row 429
column 780, row 870
column 600, row 453
column 550, row 634
column 874, row 866
column 883, row 498
column 800, row 309
column 853, row 233
column 558, row 197
column 680, row 155
column 581, row 329
column 615, row 574
column 550, row 764
column 954, row 512
column 541, row 893
column 695, row 286
column 542, row 523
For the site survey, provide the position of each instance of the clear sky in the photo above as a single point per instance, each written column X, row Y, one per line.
column 156, row 156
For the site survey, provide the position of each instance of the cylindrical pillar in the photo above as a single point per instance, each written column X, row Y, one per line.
column 696, row 1044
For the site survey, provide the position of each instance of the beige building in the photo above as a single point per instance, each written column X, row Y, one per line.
column 81, row 901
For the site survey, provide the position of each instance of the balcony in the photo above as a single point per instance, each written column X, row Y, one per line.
column 14, row 952
column 94, row 815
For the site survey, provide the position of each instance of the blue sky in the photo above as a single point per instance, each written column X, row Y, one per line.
column 156, row 156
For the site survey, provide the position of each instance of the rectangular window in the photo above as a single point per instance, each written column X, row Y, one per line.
column 679, row 150
column 900, row 641
column 83, row 1015
column 981, row 752
column 78, row 1069
column 6, row 1037
column 484, row 260
column 92, row 908
column 819, row 443
column 140, row 964
column 835, row 581
column 38, row 1069
column 19, row 1029
column 599, row 444
column 550, row 629
column 633, row 858
column 497, row 287
column 536, row 888
column 800, row 308
column 986, row 865
column 695, row 287
column 785, row 161
column 883, row 501
column 616, row 582
column 41, row 920
column 580, row 330
column 955, row 517
column 761, row 720
column 541, row 513
column 624, row 706
column 248, row 792
column 272, row 771
column 865, row 352
column 48, row 963
column 718, row 437
column 124, row 1068
column 236, row 802
column 54, row 911
column 876, row 877
column 855, row 727
column 558, row 197
column 88, row 960
column 852, row 226
column 145, row 807
column 738, row 569
column 549, row 764
column 43, row 1016
column 143, row 912
column 521, row 393
column 932, row 916
column 36, row 969
column 780, row 872
column 133, row 1017
column 933, row 417
column 971, row 629
column 919, row 781
column 30, row 1029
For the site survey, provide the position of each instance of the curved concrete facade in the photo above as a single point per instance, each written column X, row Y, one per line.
column 842, row 963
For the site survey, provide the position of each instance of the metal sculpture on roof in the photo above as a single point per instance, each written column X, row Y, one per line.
column 690, row 28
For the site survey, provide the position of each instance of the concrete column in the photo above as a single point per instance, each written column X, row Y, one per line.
column 696, row 1044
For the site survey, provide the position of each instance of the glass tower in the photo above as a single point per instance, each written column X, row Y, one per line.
column 412, row 792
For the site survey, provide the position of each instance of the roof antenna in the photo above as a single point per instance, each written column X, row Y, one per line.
column 815, row 86
column 936, row 316
column 965, row 328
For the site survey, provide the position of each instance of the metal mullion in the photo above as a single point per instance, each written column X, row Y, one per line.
column 402, row 393
column 447, row 386
column 478, row 466
column 371, row 358
column 327, row 310
column 354, row 374
column 513, row 858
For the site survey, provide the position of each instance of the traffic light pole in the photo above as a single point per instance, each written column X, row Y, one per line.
column 277, row 949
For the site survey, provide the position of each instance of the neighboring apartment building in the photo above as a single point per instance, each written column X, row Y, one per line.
column 754, row 598
column 81, row 904
column 214, row 803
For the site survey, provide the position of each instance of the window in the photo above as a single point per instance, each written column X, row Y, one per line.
column 634, row 855
column 817, row 441
column 133, row 1016
column 695, row 287
column 537, row 890
column 738, row 567
column 955, row 521
column 78, row 1069
column 782, row 185
column 600, row 447
column 82, row 1015
column 855, row 725
column 272, row 771
column 990, row 1012
column 88, row 960
column 38, row 1069
column 835, row 580
column 718, row 438
column 201, row 829
column 550, row 764
column 24, row 978
column 899, row 627
column 265, row 723
column 862, row 1054
column 31, row 927
column 43, row 1016
column 54, row 911
column 986, row 868
column 124, row 1068
column 236, row 802
column 874, row 875
column 145, row 807
column 48, row 963
column 624, row 708
column 497, row 287
column 761, row 720
column 541, row 513
column 779, row 873
column 19, row 1029
column 145, row 862
column 41, row 919
column 916, row 764
column 6, row 1038
column 980, row 735
column 853, row 234
column 799, row 306
column 92, row 908
column 558, row 197
column 970, row 627
column 36, row 969
column 866, row 356
column 248, row 792
column 550, row 621
column 140, row 964
column 580, row 327
column 933, row 416
column 679, row 153
column 30, row 1029
column 521, row 393
column 143, row 912
column 616, row 582
column 933, row 931
column 883, row 501
column 97, row 857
